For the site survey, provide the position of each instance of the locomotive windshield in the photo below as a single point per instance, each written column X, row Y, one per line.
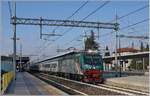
column 92, row 61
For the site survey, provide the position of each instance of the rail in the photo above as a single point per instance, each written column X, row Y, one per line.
column 86, row 89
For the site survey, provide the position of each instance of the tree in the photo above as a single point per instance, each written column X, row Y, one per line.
column 90, row 42
column 135, row 65
column 132, row 45
column 147, row 48
column 142, row 47
column 107, row 53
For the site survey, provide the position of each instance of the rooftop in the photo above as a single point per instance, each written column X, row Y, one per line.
column 127, row 49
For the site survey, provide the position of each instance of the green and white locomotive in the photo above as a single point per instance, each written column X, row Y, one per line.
column 83, row 66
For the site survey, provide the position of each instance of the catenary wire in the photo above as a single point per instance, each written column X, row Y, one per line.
column 121, row 17
column 98, row 8
column 66, row 19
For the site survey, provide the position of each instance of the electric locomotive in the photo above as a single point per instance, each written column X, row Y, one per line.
column 78, row 65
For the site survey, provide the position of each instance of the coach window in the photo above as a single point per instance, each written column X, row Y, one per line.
column 54, row 65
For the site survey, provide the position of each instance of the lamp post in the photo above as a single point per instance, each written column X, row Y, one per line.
column 20, row 64
column 15, row 55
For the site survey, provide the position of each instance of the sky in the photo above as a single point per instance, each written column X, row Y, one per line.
column 30, row 35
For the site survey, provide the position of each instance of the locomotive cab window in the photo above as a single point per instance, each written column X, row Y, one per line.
column 92, row 61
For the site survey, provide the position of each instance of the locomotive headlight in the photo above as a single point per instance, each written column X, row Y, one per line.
column 92, row 51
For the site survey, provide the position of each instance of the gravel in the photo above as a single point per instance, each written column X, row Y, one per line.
column 82, row 87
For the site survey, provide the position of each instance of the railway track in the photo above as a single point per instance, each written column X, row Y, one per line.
column 124, row 89
column 62, row 87
column 79, row 88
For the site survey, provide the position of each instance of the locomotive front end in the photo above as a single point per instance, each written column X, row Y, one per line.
column 93, row 68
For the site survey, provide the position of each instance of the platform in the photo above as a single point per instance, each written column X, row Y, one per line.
column 27, row 84
column 140, row 83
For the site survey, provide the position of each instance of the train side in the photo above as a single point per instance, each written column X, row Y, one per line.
column 74, row 65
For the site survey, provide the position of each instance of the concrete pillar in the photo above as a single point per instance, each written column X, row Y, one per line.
column 143, row 65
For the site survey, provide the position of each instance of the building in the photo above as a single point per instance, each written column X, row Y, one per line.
column 125, row 63
column 21, row 63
